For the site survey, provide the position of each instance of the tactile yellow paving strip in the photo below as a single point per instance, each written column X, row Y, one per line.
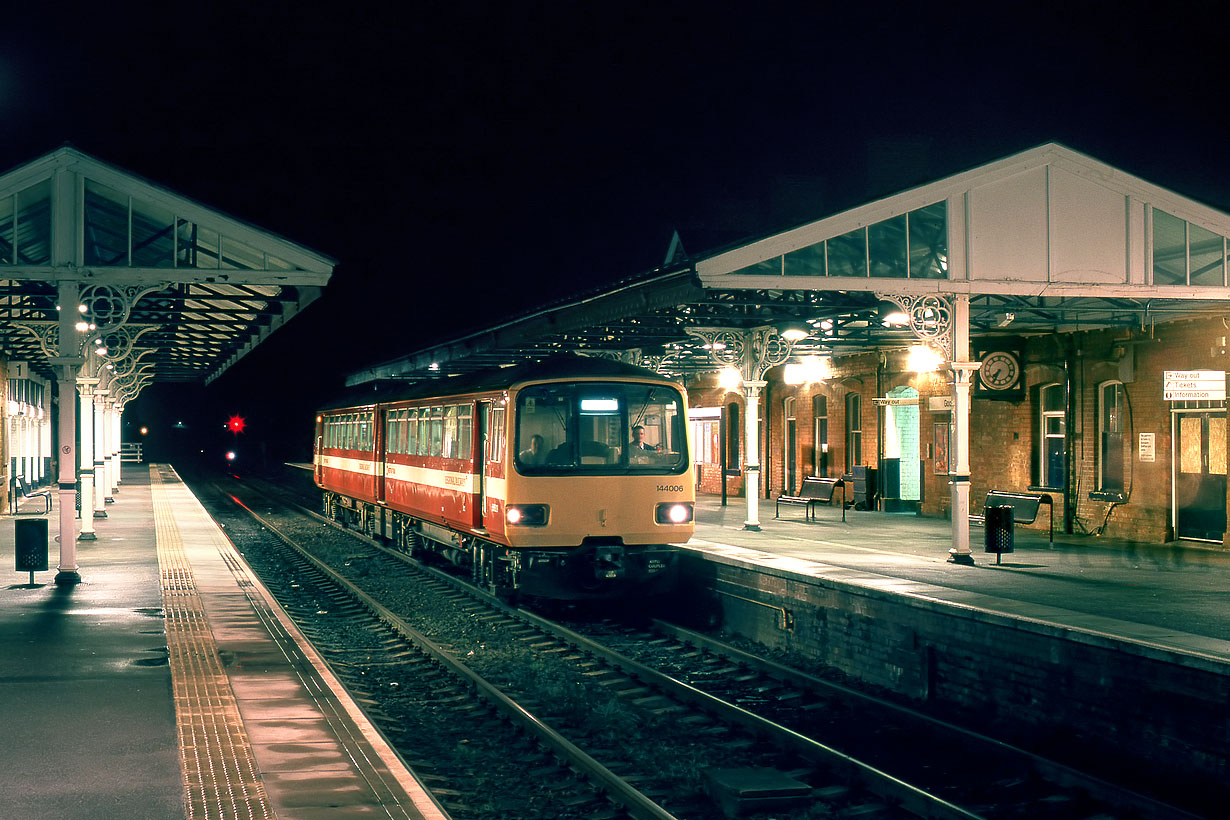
column 220, row 776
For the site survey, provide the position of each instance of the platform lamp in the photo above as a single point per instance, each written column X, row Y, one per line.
column 794, row 331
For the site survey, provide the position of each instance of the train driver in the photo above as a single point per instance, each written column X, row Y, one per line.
column 638, row 440
column 536, row 453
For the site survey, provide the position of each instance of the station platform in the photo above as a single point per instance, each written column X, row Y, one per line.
column 168, row 684
column 1171, row 596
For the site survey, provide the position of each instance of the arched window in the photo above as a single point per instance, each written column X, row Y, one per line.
column 1112, row 423
column 820, row 418
column 854, row 430
column 1053, row 443
column 790, row 444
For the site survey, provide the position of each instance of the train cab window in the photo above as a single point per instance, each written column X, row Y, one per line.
column 600, row 428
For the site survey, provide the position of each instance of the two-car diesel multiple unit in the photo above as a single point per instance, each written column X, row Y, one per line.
column 564, row 479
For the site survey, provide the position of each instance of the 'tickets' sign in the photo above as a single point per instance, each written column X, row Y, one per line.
column 1193, row 385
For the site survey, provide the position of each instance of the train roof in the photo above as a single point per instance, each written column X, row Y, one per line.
column 563, row 366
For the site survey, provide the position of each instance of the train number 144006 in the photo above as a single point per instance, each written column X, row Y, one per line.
column 670, row 488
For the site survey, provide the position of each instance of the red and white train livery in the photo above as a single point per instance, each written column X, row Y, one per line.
column 564, row 479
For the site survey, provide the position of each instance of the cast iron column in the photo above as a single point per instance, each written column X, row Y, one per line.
column 751, row 352
column 86, row 388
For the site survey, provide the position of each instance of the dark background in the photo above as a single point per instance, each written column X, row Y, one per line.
column 464, row 162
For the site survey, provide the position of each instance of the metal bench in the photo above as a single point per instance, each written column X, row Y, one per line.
column 1025, row 507
column 26, row 492
column 815, row 490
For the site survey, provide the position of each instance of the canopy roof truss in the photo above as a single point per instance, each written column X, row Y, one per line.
column 1046, row 241
column 206, row 287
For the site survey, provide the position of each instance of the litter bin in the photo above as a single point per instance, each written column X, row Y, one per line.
column 999, row 535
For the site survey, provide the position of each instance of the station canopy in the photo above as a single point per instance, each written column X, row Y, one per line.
column 191, row 289
column 1045, row 241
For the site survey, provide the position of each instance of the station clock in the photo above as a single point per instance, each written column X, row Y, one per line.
column 1002, row 375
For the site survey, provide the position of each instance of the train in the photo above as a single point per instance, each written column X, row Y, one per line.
column 565, row 479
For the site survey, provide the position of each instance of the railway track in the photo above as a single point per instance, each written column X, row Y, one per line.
column 653, row 725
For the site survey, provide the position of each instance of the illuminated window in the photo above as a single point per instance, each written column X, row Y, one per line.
column 820, row 420
column 854, row 430
column 1110, row 439
column 1052, row 445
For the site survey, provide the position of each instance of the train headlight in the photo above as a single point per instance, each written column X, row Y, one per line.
column 674, row 512
column 527, row 515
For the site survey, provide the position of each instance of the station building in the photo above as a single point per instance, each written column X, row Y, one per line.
column 1044, row 324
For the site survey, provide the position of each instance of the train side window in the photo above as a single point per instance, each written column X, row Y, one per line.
column 497, row 435
column 423, row 436
column 465, row 432
column 437, row 431
column 391, row 432
column 412, row 431
column 450, row 432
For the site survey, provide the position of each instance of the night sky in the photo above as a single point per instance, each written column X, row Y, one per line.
column 525, row 151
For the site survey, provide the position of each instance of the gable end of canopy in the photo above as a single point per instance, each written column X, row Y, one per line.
column 1049, row 221
column 202, row 287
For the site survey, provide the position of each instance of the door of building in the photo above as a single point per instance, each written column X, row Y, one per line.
column 901, row 467
column 1199, row 482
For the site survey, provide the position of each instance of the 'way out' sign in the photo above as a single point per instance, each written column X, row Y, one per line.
column 1193, row 385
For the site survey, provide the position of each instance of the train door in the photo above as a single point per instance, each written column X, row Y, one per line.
column 379, row 437
column 318, row 452
column 492, row 478
column 480, row 458
column 1199, row 474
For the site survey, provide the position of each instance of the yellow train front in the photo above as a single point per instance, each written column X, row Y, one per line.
column 566, row 479
column 597, row 483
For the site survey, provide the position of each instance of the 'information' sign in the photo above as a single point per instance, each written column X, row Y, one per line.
column 1193, row 385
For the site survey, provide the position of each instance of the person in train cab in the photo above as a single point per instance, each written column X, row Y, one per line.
column 638, row 440
column 536, row 453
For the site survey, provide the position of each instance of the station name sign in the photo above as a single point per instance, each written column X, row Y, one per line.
column 1193, row 385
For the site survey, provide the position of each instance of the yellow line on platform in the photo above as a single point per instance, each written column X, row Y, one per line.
column 221, row 781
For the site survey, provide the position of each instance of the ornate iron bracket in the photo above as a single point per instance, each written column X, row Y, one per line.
column 751, row 352
column 110, row 305
column 930, row 318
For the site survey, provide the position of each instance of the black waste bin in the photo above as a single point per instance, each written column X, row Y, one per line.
column 999, row 535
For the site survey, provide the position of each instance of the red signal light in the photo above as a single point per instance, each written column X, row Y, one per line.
column 235, row 424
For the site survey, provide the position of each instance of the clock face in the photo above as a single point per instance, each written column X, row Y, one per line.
column 999, row 370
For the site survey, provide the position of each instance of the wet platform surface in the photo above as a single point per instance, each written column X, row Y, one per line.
column 1172, row 595
column 167, row 684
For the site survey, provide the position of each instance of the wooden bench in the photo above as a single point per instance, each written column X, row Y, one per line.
column 1025, row 507
column 26, row 492
column 814, row 491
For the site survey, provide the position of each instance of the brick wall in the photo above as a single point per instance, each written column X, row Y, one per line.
column 1004, row 435
column 1159, row 712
